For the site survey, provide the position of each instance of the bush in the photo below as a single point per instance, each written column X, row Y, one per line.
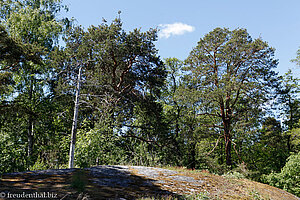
column 38, row 165
column 234, row 175
column 289, row 177
column 98, row 144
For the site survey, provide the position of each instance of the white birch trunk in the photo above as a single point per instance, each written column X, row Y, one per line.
column 74, row 124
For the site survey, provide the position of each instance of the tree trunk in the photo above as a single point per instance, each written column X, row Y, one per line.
column 192, row 156
column 222, row 159
column 30, row 138
column 289, row 146
column 74, row 125
column 177, row 146
column 226, row 118
column 228, row 148
column 30, row 124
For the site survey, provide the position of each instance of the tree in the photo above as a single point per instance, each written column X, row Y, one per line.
column 289, row 106
column 270, row 150
column 33, row 23
column 11, row 50
column 288, row 99
column 10, row 54
column 234, row 75
column 120, row 72
column 173, row 110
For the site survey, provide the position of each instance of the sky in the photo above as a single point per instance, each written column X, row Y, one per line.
column 182, row 23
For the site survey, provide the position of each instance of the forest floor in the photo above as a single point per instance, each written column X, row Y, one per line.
column 132, row 182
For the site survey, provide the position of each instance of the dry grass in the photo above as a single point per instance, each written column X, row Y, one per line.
column 220, row 187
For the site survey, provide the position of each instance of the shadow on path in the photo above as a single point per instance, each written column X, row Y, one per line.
column 102, row 182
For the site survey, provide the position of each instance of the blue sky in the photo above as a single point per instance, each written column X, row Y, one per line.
column 183, row 23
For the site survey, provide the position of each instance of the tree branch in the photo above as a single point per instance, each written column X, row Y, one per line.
column 142, row 139
column 214, row 146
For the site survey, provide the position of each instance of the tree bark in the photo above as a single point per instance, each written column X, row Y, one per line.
column 74, row 125
column 228, row 148
column 30, row 138
column 227, row 136
column 192, row 156
column 30, row 123
column 226, row 115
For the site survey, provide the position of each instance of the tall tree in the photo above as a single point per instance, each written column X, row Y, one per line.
column 235, row 77
column 268, row 151
column 35, row 24
column 288, row 100
column 173, row 108
column 11, row 54
column 180, row 107
column 120, row 70
column 289, row 106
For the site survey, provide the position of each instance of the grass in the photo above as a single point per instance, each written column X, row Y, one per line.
column 200, row 196
column 230, row 186
column 255, row 195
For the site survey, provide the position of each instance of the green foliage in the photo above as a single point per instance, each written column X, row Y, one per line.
column 34, row 22
column 288, row 99
column 288, row 102
column 11, row 50
column 32, row 31
column 288, row 178
column 12, row 153
column 255, row 195
column 103, row 145
column 38, row 165
column 234, row 175
column 297, row 59
column 293, row 136
column 122, row 77
column 136, row 109
column 269, row 150
column 220, row 72
column 11, row 54
column 98, row 146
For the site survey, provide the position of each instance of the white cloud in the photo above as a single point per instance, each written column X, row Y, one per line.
column 174, row 29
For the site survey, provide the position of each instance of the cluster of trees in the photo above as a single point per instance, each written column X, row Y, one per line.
column 222, row 108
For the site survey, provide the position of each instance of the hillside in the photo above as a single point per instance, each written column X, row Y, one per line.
column 133, row 182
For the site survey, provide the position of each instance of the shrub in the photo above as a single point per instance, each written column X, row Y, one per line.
column 38, row 165
column 234, row 175
column 289, row 177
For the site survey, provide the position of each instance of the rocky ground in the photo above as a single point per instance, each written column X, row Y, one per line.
column 131, row 182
